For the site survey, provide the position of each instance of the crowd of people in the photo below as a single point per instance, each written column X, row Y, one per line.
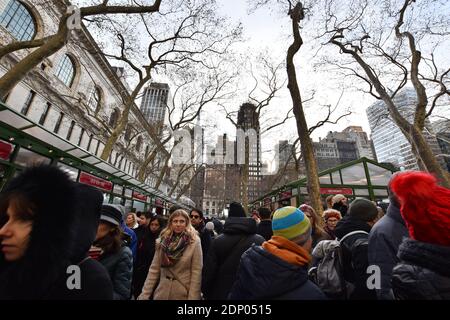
column 50, row 224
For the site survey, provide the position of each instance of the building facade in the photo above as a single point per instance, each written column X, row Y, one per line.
column 75, row 93
column 154, row 102
column 248, row 119
column 391, row 146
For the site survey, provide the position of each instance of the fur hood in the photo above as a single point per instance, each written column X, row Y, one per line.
column 56, row 225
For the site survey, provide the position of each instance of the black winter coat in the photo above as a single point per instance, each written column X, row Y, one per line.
column 355, row 256
column 220, row 269
column 384, row 240
column 42, row 273
column 144, row 257
column 206, row 239
column 264, row 229
column 264, row 276
column 423, row 273
column 120, row 269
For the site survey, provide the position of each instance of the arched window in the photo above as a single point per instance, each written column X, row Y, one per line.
column 139, row 144
column 18, row 20
column 114, row 118
column 128, row 133
column 95, row 99
column 66, row 70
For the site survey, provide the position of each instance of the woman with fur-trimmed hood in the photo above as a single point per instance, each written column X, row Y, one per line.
column 48, row 223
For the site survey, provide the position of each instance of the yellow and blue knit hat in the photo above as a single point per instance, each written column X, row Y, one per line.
column 289, row 222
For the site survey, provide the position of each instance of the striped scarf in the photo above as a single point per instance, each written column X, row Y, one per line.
column 173, row 247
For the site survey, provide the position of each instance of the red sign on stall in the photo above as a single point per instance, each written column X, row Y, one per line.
column 5, row 150
column 93, row 181
column 345, row 191
column 139, row 196
column 285, row 195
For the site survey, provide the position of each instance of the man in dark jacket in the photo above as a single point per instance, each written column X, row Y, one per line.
column 279, row 268
column 265, row 226
column 424, row 270
column 198, row 222
column 219, row 271
column 361, row 216
column 384, row 240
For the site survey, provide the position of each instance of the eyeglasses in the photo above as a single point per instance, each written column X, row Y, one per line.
column 195, row 217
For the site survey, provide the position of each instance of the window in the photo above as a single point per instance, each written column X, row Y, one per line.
column 81, row 137
column 58, row 123
column 69, row 133
column 27, row 104
column 114, row 118
column 139, row 143
column 90, row 141
column 128, row 133
column 45, row 113
column 94, row 100
column 66, row 70
column 17, row 19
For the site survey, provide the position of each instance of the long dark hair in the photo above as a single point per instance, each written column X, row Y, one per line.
column 161, row 221
column 112, row 241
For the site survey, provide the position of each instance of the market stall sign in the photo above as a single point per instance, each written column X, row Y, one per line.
column 344, row 191
column 139, row 196
column 5, row 150
column 95, row 181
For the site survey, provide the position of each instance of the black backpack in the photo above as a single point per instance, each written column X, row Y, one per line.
column 328, row 271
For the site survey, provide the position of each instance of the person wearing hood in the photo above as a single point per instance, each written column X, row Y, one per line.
column 115, row 255
column 424, row 268
column 219, row 272
column 356, row 225
column 384, row 240
column 279, row 268
column 198, row 222
column 33, row 261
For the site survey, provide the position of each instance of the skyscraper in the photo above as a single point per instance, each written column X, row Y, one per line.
column 390, row 143
column 248, row 119
column 154, row 102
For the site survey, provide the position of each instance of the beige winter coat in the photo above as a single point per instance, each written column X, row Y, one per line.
column 188, row 270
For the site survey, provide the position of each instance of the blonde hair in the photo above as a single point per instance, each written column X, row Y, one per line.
column 190, row 231
column 134, row 217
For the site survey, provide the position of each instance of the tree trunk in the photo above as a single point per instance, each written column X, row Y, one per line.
column 312, row 173
column 162, row 174
column 428, row 158
column 123, row 121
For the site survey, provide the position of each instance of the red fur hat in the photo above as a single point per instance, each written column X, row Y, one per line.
column 425, row 206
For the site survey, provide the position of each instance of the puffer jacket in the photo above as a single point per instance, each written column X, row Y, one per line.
column 423, row 273
column 224, row 255
column 264, row 276
column 120, row 269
